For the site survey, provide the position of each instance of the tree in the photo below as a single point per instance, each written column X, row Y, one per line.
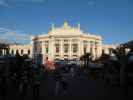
column 85, row 59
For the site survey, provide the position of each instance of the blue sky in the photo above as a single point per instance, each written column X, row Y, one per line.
column 112, row 19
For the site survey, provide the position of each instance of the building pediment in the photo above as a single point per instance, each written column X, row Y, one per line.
column 65, row 29
column 65, row 32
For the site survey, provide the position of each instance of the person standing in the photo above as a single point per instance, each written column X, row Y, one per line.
column 36, row 87
column 64, row 86
column 72, row 71
column 23, row 85
column 57, row 84
column 49, row 65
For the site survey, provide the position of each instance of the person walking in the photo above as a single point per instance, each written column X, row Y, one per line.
column 3, row 88
column 36, row 87
column 72, row 71
column 64, row 86
column 23, row 85
column 57, row 84
column 57, row 87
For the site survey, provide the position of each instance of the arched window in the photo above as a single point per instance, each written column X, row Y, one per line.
column 12, row 52
column 22, row 52
column 28, row 52
column 0, row 52
column 103, row 51
column 110, row 51
column 17, row 52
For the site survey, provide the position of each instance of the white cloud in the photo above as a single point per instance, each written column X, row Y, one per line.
column 3, row 3
column 14, row 36
column 6, row 3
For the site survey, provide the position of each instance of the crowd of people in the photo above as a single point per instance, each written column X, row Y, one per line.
column 118, row 70
column 21, row 73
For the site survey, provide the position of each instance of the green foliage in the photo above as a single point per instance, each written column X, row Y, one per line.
column 119, row 52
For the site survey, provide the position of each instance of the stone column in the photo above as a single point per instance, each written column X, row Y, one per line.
column 49, row 49
column 43, row 51
column 93, row 51
column 88, row 47
column 100, row 49
column 3, row 52
column 61, row 48
column 52, row 48
column 70, row 48
column 31, row 49
column 14, row 51
column 31, row 52
column 79, row 48
column 96, row 48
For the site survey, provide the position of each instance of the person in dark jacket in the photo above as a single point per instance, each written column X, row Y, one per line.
column 36, row 87
column 64, row 86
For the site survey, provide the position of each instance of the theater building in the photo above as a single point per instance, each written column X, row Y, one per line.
column 66, row 42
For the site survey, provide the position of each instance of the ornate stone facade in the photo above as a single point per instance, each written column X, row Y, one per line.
column 63, row 42
column 66, row 42
column 21, row 49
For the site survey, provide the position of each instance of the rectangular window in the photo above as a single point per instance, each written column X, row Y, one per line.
column 91, row 50
column 85, row 48
column 46, row 46
column 47, row 50
column 66, row 48
column 91, row 43
column 35, row 46
column 57, row 49
column 103, row 51
column 85, row 42
column 65, row 40
column 75, row 48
